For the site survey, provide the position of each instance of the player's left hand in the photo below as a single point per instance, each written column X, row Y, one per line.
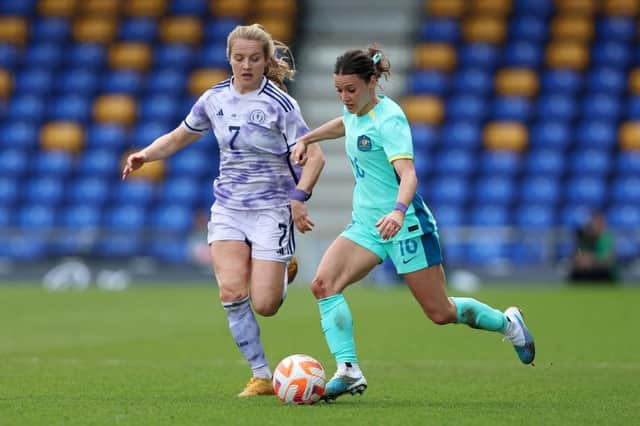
column 389, row 225
column 301, row 216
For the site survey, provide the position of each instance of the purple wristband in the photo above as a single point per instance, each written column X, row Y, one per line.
column 401, row 207
column 299, row 195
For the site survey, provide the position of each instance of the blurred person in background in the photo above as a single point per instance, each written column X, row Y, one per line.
column 388, row 219
column 259, row 193
column 595, row 258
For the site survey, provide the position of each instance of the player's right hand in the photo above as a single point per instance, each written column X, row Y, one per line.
column 299, row 154
column 134, row 162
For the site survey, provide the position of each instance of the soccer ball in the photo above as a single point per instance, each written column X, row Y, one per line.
column 299, row 379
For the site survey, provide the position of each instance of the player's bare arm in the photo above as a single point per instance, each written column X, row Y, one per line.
column 332, row 129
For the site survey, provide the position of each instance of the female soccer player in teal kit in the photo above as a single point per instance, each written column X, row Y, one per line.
column 388, row 219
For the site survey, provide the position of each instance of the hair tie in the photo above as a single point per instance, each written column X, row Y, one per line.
column 376, row 58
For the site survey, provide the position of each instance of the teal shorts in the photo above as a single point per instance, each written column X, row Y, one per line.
column 408, row 255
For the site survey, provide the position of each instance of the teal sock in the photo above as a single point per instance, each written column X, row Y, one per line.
column 478, row 315
column 337, row 326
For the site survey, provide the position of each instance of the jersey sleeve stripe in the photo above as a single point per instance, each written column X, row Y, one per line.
column 269, row 89
column 282, row 104
column 400, row 156
column 193, row 128
column 224, row 83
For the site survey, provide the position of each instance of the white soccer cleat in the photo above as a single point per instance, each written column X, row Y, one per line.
column 518, row 334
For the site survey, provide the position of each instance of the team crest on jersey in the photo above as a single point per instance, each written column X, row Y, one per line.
column 257, row 116
column 364, row 143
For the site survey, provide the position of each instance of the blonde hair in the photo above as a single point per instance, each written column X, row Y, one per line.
column 277, row 69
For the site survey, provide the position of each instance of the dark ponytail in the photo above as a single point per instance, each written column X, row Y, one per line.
column 364, row 64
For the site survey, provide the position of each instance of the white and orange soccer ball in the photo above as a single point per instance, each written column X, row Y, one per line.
column 299, row 379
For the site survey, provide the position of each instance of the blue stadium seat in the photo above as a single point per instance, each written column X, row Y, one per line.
column 628, row 163
column 528, row 28
column 626, row 190
column 52, row 164
column 19, row 135
column 181, row 190
column 428, row 82
column 37, row 82
column 556, row 107
column 493, row 190
column 422, row 164
column 213, row 56
column 86, row 55
column 487, row 252
column 627, row 248
column 36, row 217
column 6, row 219
column 45, row 55
column 561, row 81
column 535, row 216
column 100, row 162
column 159, row 107
column 616, row 28
column 455, row 162
column 447, row 190
column 440, row 30
column 17, row 7
column 172, row 218
column 70, row 108
column 523, row 54
column 78, row 81
column 504, row 163
column 119, row 245
column 606, row 79
column 52, row 30
column 145, row 133
column 449, row 215
column 108, row 136
column 127, row 217
column 167, row 81
column 465, row 107
column 590, row 161
column 138, row 29
column 601, row 106
column 13, row 162
column 527, row 253
column 81, row 216
column 25, row 248
column 575, row 215
column 537, row 8
column 624, row 216
column 632, row 108
column 190, row 162
column 189, row 7
column 44, row 190
column 596, row 134
column 550, row 134
column 122, row 81
column 216, row 30
column 473, row 81
column 141, row 192
column 586, row 190
column 540, row 189
column 478, row 55
column 510, row 108
column 173, row 250
column 461, row 134
column 610, row 53
column 8, row 190
column 8, row 56
column 174, row 56
column 28, row 108
column 91, row 190
column 424, row 136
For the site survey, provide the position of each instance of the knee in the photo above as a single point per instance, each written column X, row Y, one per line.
column 441, row 315
column 321, row 288
column 230, row 294
column 266, row 308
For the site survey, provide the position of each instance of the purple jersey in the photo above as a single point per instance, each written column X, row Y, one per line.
column 255, row 132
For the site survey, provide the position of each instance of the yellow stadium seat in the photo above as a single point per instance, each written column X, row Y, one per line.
column 230, row 8
column 489, row 7
column 505, row 136
column 153, row 171
column 634, row 81
column 517, row 82
column 570, row 55
column 629, row 135
column 621, row 7
column 577, row 7
column 59, row 8
column 439, row 56
column 572, row 28
column 6, row 84
column 182, row 29
column 281, row 28
column 484, row 29
column 117, row 109
column 62, row 136
column 94, row 29
column 131, row 56
column 110, row 8
column 445, row 8
column 284, row 8
column 145, row 8
column 13, row 30
column 204, row 78
column 423, row 109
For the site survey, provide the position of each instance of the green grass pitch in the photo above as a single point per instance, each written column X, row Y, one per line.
column 162, row 355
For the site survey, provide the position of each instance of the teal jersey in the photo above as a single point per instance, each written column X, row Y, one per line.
column 372, row 142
